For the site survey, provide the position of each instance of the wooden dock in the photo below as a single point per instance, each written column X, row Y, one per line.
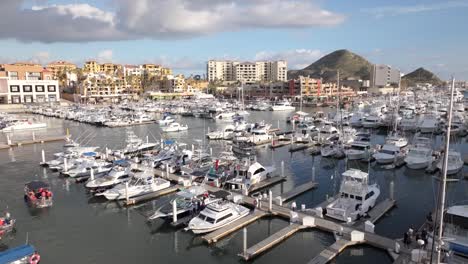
column 271, row 241
column 296, row 192
column 31, row 141
column 378, row 212
column 332, row 251
column 150, row 196
column 280, row 143
column 266, row 183
column 214, row 236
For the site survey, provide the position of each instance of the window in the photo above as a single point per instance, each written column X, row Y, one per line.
column 51, row 88
column 15, row 99
column 28, row 99
column 259, row 170
column 369, row 195
column 224, row 218
column 52, row 98
column 39, row 88
column 27, row 88
column 14, row 88
column 40, row 99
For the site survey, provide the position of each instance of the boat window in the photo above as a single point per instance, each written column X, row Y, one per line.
column 259, row 170
column 359, row 198
column 345, row 195
column 122, row 177
column 460, row 222
column 369, row 195
column 210, row 220
column 224, row 218
column 351, row 196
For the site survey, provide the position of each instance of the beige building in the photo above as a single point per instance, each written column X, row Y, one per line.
column 58, row 67
column 101, row 85
column 94, row 67
column 247, row 72
column 25, row 71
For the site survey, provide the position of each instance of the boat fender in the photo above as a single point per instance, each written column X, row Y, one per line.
column 35, row 258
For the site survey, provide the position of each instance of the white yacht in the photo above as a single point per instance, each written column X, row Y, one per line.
column 397, row 140
column 174, row 127
column 167, row 119
column 358, row 150
column 327, row 133
column 371, row 121
column 84, row 168
column 420, row 154
column 226, row 133
column 225, row 116
column 388, row 154
column 456, row 229
column 454, row 164
column 118, row 174
column 216, row 215
column 356, row 198
column 23, row 125
column 429, row 124
column 331, row 150
column 248, row 175
column 141, row 183
column 282, row 106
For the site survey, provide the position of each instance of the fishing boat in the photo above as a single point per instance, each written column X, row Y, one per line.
column 282, row 106
column 248, row 175
column 389, row 153
column 167, row 119
column 174, row 127
column 356, row 197
column 358, row 150
column 25, row 254
column 37, row 194
column 420, row 154
column 217, row 215
column 118, row 174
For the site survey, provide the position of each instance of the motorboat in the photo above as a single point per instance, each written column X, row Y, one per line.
column 327, row 133
column 20, row 255
column 358, row 150
column 282, row 106
column 188, row 201
column 37, row 194
column 226, row 133
column 397, row 140
column 371, row 121
column 356, row 197
column 225, row 116
column 389, row 153
column 248, row 175
column 456, row 229
column 174, row 127
column 141, row 183
column 23, row 125
column 216, row 215
column 409, row 124
column 429, row 124
column 420, row 154
column 454, row 163
column 331, row 150
column 84, row 169
column 7, row 224
column 118, row 174
column 167, row 119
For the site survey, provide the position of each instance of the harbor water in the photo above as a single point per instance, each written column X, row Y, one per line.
column 80, row 228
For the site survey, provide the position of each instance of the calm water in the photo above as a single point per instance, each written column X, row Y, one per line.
column 82, row 229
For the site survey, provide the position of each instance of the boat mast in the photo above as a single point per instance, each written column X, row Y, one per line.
column 300, row 103
column 444, row 175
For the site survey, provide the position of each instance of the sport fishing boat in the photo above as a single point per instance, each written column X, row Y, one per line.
column 141, row 183
column 358, row 150
column 454, row 163
column 356, row 198
column 217, row 215
column 226, row 133
column 420, row 154
column 118, row 174
column 248, row 175
column 167, row 119
column 389, row 153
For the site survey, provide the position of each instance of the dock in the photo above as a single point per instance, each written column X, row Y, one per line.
column 296, row 192
column 300, row 146
column 213, row 237
column 280, row 143
column 271, row 241
column 266, row 183
column 378, row 211
column 153, row 195
column 332, row 251
column 31, row 141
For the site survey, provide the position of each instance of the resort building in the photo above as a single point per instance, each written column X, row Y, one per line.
column 384, row 79
column 247, row 72
column 60, row 67
column 102, row 85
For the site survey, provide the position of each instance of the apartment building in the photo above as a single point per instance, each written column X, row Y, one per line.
column 247, row 72
column 384, row 79
column 58, row 67
column 94, row 67
column 102, row 85
column 25, row 71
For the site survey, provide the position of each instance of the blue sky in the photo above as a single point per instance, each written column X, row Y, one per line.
column 184, row 34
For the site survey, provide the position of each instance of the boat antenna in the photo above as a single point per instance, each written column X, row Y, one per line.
column 440, row 211
column 27, row 238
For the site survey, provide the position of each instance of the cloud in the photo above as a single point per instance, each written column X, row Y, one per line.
column 41, row 57
column 384, row 11
column 297, row 59
column 105, row 56
column 158, row 19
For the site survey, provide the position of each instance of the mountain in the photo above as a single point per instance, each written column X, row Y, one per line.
column 349, row 64
column 420, row 75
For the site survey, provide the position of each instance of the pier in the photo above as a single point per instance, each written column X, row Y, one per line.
column 34, row 140
column 150, row 196
column 266, row 183
column 298, row 190
column 332, row 251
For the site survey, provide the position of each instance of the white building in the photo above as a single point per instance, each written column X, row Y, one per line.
column 28, row 91
column 384, row 79
column 249, row 72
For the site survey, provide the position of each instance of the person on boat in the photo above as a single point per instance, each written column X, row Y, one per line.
column 32, row 196
column 48, row 194
column 7, row 218
column 294, row 206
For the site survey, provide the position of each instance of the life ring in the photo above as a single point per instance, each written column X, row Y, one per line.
column 35, row 258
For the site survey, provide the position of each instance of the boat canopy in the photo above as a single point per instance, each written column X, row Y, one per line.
column 356, row 174
column 90, row 154
column 17, row 253
column 458, row 210
column 36, row 185
column 121, row 162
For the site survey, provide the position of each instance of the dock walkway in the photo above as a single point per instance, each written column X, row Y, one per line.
column 332, row 251
column 153, row 195
column 296, row 192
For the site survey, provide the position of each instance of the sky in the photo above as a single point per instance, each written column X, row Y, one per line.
column 184, row 34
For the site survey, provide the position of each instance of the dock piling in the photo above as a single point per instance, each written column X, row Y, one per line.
column 282, row 168
column 392, row 190
column 65, row 165
column 43, row 154
column 211, row 151
column 34, row 136
column 9, row 140
column 91, row 176
column 270, row 205
column 245, row 240
column 126, row 192
column 174, row 211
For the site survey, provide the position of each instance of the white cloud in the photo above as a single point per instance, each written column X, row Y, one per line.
column 380, row 12
column 105, row 56
column 41, row 57
column 158, row 19
column 297, row 59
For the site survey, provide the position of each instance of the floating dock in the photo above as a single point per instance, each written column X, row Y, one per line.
column 332, row 251
column 296, row 192
column 150, row 196
column 266, row 183
column 31, row 141
column 300, row 146
column 213, row 237
column 271, row 241
column 378, row 211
